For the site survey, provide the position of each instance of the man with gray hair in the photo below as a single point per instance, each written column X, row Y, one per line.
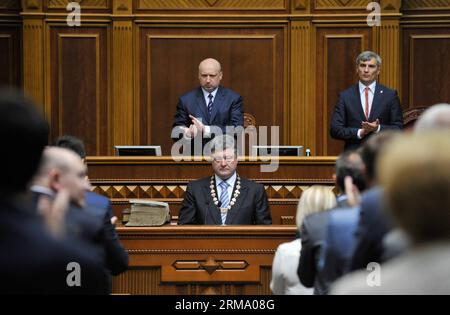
column 367, row 107
column 437, row 117
column 224, row 198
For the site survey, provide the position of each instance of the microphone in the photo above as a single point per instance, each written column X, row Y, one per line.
column 219, row 204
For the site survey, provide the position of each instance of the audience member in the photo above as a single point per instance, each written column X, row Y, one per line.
column 417, row 190
column 314, row 228
column 285, row 263
column 34, row 261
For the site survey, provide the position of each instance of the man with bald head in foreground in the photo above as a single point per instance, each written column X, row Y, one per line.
column 209, row 105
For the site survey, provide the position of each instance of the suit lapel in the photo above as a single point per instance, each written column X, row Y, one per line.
column 359, row 110
column 218, row 101
column 240, row 199
column 376, row 103
column 212, row 210
column 202, row 105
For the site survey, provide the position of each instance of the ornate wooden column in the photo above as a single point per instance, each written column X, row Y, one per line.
column 122, row 73
column 33, row 50
column 302, row 119
column 388, row 42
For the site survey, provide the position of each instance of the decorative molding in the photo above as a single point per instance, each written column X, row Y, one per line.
column 176, row 192
column 341, row 4
column 197, row 251
column 85, row 4
column 212, row 4
column 210, row 265
column 122, row 6
column 390, row 5
column 300, row 4
column 426, row 5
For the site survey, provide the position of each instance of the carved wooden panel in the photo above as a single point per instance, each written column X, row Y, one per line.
column 168, row 67
column 198, row 260
column 84, row 4
column 426, row 76
column 9, row 4
column 79, row 86
column 426, row 5
column 121, row 179
column 10, row 56
column 336, row 71
column 212, row 4
column 341, row 4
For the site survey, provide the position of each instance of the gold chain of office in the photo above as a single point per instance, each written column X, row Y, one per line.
column 235, row 195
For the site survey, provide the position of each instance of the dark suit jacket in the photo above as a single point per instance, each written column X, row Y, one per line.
column 349, row 114
column 226, row 111
column 313, row 235
column 35, row 263
column 372, row 227
column 93, row 226
column 340, row 243
column 251, row 207
column 116, row 258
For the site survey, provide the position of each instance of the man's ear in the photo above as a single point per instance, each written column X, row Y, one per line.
column 54, row 178
column 334, row 178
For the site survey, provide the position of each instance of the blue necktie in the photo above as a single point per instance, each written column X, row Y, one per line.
column 224, row 199
column 210, row 104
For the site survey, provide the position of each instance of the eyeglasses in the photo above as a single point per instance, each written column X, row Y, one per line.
column 219, row 159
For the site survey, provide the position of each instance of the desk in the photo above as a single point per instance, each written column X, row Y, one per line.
column 162, row 179
column 193, row 260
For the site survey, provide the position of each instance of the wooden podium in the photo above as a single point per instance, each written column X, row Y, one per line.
column 194, row 260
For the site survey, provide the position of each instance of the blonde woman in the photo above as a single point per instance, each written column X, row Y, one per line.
column 285, row 263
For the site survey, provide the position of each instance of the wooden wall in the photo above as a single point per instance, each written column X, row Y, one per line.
column 115, row 79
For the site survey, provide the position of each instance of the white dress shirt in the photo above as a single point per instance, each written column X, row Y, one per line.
column 362, row 94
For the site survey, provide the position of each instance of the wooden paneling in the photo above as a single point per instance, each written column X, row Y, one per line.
column 212, row 5
column 288, row 58
column 161, row 178
column 426, row 76
column 10, row 56
column 193, row 260
column 79, row 86
column 168, row 68
column 337, row 50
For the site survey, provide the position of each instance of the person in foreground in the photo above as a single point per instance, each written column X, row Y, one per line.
column 225, row 198
column 367, row 107
column 285, row 263
column 417, row 190
column 34, row 260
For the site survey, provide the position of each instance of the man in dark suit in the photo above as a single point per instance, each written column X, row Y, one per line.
column 367, row 107
column 99, row 206
column 314, row 229
column 208, row 109
column 224, row 198
column 33, row 261
column 63, row 169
